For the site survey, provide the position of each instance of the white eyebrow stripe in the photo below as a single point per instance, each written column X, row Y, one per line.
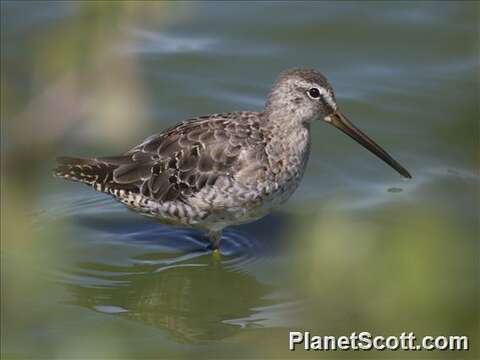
column 328, row 97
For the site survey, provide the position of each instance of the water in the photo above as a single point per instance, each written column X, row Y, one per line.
column 356, row 248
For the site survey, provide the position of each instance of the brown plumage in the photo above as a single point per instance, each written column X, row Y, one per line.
column 174, row 164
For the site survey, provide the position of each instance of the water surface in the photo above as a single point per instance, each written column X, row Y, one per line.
column 356, row 248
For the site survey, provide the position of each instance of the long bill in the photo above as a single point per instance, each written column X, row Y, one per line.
column 339, row 120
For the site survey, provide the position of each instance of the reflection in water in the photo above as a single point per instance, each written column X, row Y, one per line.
column 167, row 278
column 193, row 300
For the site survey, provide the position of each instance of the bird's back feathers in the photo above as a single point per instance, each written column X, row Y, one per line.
column 174, row 164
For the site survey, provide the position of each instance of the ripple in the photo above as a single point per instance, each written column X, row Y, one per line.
column 149, row 42
column 372, row 195
column 110, row 309
column 124, row 264
column 112, row 244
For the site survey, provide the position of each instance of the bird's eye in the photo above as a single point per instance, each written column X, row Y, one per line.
column 314, row 93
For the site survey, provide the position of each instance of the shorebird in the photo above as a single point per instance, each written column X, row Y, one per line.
column 217, row 170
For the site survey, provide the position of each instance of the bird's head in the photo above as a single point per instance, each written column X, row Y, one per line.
column 301, row 96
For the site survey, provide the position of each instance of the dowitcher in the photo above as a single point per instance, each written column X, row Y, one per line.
column 213, row 171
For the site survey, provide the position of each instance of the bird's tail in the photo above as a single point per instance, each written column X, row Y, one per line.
column 88, row 171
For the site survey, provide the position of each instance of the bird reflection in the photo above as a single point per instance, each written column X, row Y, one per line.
column 192, row 295
column 192, row 300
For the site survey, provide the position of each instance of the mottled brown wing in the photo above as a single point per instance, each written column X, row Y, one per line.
column 183, row 160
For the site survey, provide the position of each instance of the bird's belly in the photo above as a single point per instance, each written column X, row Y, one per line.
column 237, row 204
column 226, row 203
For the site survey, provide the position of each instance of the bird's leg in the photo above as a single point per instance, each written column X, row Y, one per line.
column 215, row 236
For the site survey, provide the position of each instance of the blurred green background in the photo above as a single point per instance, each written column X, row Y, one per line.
column 356, row 248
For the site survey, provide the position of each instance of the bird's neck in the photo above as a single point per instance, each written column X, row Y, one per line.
column 285, row 125
column 288, row 141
